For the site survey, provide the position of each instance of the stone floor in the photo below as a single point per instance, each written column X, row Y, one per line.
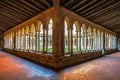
column 103, row 68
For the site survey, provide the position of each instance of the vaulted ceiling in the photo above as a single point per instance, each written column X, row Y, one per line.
column 102, row 12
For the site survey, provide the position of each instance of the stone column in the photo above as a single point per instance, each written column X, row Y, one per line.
column 86, row 37
column 80, row 40
column 58, row 30
column 46, row 40
column 77, row 40
column 32, row 41
column 104, row 50
column 38, row 41
column 24, row 41
column 14, row 41
column 43, row 39
column 71, row 41
column 29, row 41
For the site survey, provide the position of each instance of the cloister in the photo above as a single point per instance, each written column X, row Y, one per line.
column 59, row 41
column 77, row 38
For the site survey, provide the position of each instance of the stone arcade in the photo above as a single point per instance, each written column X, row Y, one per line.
column 58, row 38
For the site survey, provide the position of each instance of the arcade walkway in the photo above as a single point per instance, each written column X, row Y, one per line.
column 103, row 68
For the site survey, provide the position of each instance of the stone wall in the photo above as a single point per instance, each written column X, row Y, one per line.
column 55, row 62
column 110, row 51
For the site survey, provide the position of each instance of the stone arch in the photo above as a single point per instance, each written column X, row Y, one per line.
column 89, row 29
column 84, row 27
column 94, row 30
column 67, row 28
column 75, row 33
column 38, row 25
column 77, row 24
column 67, row 22
column 32, row 28
column 50, row 35
column 50, row 23
column 23, row 31
column 27, row 29
column 19, row 32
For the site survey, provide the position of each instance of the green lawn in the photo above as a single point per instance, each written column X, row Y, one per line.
column 74, row 50
column 49, row 49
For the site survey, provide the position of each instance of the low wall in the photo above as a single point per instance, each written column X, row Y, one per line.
column 56, row 62
column 110, row 51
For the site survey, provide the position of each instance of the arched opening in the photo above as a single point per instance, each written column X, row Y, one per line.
column 66, row 35
column 94, row 39
column 83, row 38
column 89, row 38
column 22, row 40
column 27, row 38
column 40, row 36
column 16, row 39
column 76, row 30
column 98, row 40
column 49, row 36
column 19, row 39
column 101, row 40
column 32, row 37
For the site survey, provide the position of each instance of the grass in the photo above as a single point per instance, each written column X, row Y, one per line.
column 66, row 49
column 49, row 49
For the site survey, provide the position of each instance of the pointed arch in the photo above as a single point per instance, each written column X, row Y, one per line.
column 83, row 37
column 67, row 36
column 94, row 39
column 38, row 26
column 89, row 38
column 49, row 35
column 32, row 37
column 76, row 31
column 39, row 29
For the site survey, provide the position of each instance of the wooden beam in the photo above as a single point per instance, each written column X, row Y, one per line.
column 93, row 1
column 37, row 4
column 18, row 8
column 21, row 17
column 45, row 2
column 98, row 8
column 105, row 9
column 81, row 2
column 112, row 20
column 23, row 7
column 107, row 16
column 90, row 8
column 68, row 3
column 30, row 5
column 3, row 16
column 4, row 22
column 14, row 10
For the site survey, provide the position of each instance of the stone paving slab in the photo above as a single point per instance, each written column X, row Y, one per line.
column 103, row 68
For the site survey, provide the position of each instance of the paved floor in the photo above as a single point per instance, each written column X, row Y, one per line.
column 103, row 68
